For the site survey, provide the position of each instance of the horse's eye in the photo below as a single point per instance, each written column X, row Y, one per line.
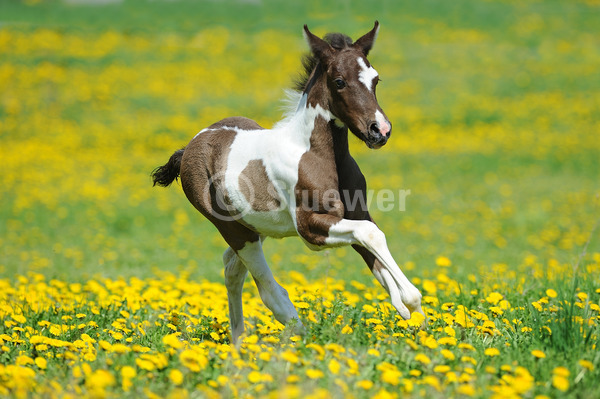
column 339, row 83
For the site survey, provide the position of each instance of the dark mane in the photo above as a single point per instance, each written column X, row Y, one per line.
column 337, row 40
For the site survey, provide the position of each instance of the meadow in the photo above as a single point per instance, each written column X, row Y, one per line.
column 112, row 288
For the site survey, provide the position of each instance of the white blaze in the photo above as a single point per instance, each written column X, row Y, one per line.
column 366, row 74
column 384, row 126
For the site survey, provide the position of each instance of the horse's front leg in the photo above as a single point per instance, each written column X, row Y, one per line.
column 371, row 244
column 376, row 268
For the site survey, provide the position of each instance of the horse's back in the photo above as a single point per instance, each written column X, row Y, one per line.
column 236, row 122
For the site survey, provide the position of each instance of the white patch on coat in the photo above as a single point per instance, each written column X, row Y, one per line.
column 366, row 74
column 281, row 164
column 405, row 296
column 273, row 295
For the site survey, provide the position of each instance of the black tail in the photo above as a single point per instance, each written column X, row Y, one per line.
column 164, row 175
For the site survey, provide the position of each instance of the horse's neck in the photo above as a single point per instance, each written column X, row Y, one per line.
column 327, row 137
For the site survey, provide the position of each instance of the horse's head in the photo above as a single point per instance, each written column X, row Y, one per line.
column 351, row 83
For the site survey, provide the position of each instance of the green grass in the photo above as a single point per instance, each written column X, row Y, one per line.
column 495, row 108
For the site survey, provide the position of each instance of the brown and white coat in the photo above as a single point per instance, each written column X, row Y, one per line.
column 296, row 179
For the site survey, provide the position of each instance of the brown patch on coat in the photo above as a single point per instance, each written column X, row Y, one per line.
column 202, row 171
column 258, row 189
column 318, row 200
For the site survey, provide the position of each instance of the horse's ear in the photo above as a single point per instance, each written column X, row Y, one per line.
column 318, row 46
column 366, row 42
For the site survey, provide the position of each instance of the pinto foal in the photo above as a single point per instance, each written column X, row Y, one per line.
column 297, row 179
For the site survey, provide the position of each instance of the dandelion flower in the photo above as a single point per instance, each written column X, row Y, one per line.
column 422, row 358
column 173, row 341
column 491, row 352
column 193, row 360
column 365, row 384
column 334, row 366
column 559, row 382
column 314, row 374
column 494, row 298
column 538, row 354
column 443, row 261
column 41, row 363
column 347, row 329
column 254, row 377
column 562, row 371
column 586, row 364
column 290, row 357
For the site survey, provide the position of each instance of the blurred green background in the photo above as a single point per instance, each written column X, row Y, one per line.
column 495, row 107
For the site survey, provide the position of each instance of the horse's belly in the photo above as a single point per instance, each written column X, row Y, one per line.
column 276, row 224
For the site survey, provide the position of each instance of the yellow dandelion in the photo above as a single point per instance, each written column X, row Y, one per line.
column 443, row 261
column 254, row 377
column 433, row 381
column 55, row 330
column 551, row 293
column 335, row 348
column 173, row 341
column 347, row 329
column 451, row 341
column 523, row 380
column 41, row 363
column 538, row 354
column 128, row 372
column 562, row 371
column 314, row 374
column 466, row 389
column 422, row 358
column 463, row 345
column 391, row 376
column 441, row 368
column 374, row 352
column 447, row 354
column 491, row 352
column 100, row 380
column 560, row 382
column 119, row 348
column 365, row 384
column 429, row 287
column 415, row 373
column 494, row 298
column 145, row 364
column 222, row 380
column 290, row 357
column 586, row 364
column 334, row 366
column 416, row 319
column 194, row 360
column 24, row 360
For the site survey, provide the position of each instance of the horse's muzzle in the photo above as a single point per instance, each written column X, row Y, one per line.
column 378, row 135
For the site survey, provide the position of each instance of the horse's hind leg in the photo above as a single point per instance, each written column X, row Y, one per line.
column 235, row 274
column 273, row 295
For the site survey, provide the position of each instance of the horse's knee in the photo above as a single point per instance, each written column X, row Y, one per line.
column 235, row 271
column 370, row 235
column 228, row 256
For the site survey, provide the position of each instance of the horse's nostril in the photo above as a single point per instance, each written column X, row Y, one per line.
column 374, row 128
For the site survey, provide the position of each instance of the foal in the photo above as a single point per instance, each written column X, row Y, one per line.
column 297, row 179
